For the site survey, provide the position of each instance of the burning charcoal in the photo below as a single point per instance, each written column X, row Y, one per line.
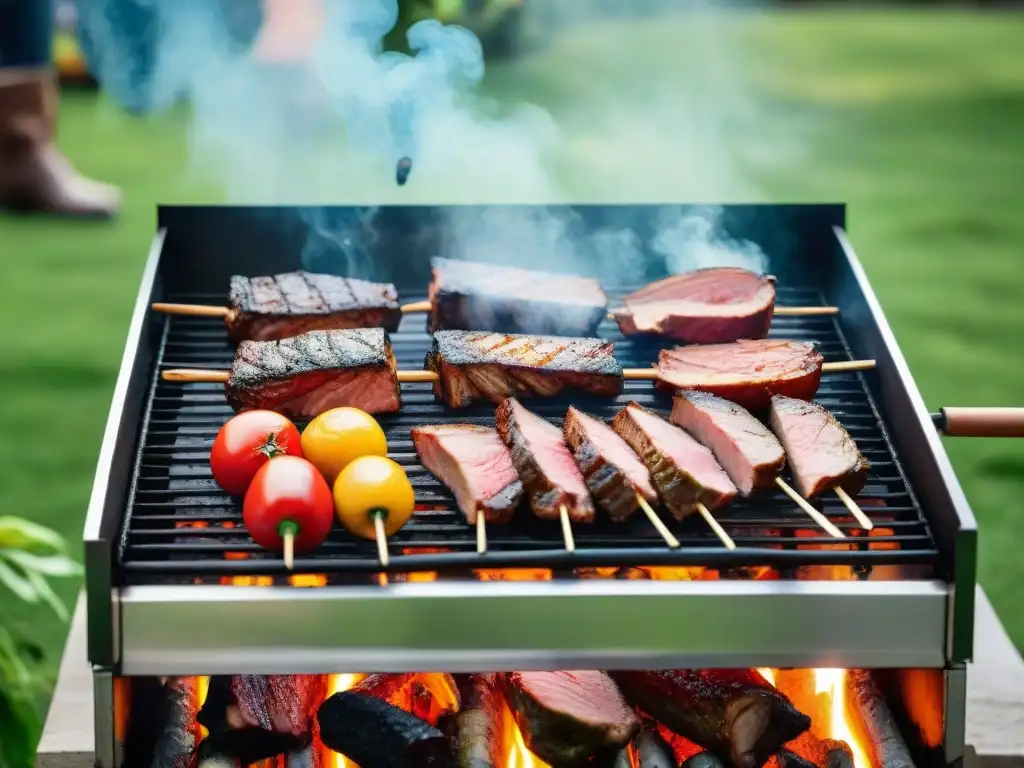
column 884, row 737
column 402, row 171
column 475, row 731
column 632, row 574
column 383, row 686
column 839, row 755
column 569, row 717
column 213, row 755
column 734, row 714
column 178, row 736
column 307, row 757
column 647, row 750
column 787, row 759
column 702, row 760
column 375, row 734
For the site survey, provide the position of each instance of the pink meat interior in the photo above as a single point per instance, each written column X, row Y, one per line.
column 545, row 441
column 617, row 451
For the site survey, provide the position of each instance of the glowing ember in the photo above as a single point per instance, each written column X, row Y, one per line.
column 202, row 688
column 519, row 756
column 834, row 683
column 767, row 674
column 514, row 574
column 308, row 580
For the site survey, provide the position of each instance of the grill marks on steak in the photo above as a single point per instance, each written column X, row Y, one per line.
column 303, row 376
column 747, row 372
column 279, row 306
column 569, row 717
column 469, row 296
column 746, row 448
column 545, row 465
column 706, row 306
column 476, row 365
column 822, row 455
column 734, row 714
column 475, row 465
column 683, row 470
column 613, row 473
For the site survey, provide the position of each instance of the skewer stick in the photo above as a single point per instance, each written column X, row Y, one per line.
column 666, row 534
column 725, row 538
column 570, row 542
column 814, row 514
column 195, row 310
column 481, row 534
column 289, row 550
column 851, row 504
column 428, row 377
column 416, row 306
column 382, row 540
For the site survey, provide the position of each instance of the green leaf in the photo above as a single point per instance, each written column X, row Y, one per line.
column 45, row 591
column 18, row 584
column 13, row 672
column 18, row 533
column 49, row 565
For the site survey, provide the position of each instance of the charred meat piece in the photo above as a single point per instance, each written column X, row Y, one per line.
column 279, row 703
column 279, row 306
column 304, row 376
column 375, row 734
column 468, row 296
column 735, row 714
column 476, row 467
column 707, row 306
column 744, row 446
column 569, row 717
column 476, row 730
column 178, row 734
column 821, row 453
column 492, row 366
column 746, row 372
column 545, row 465
column 614, row 474
column 683, row 470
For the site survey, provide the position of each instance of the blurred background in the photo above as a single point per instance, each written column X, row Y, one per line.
column 910, row 113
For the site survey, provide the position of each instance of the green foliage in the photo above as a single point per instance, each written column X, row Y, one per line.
column 29, row 553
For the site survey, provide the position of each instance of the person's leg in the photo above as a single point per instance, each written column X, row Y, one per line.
column 34, row 175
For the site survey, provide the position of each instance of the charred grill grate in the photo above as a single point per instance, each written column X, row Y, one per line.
column 181, row 527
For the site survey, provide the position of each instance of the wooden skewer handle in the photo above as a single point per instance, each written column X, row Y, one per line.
column 412, row 377
column 982, row 422
column 195, row 310
column 848, row 365
column 195, row 375
column 416, row 306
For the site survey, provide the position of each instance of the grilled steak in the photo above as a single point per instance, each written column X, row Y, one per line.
column 476, row 730
column 683, row 470
column 476, row 467
column 569, row 717
column 735, row 714
column 821, row 453
column 304, row 376
column 745, row 447
column 279, row 306
column 468, row 296
column 544, row 463
column 707, row 306
column 279, row 703
column 614, row 474
column 474, row 365
column 746, row 372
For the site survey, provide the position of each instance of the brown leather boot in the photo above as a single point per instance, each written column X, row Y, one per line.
column 34, row 175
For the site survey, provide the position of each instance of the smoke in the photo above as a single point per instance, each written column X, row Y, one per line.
column 330, row 130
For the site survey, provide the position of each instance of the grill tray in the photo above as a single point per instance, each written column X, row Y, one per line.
column 181, row 528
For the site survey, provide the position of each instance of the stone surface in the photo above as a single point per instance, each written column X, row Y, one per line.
column 995, row 700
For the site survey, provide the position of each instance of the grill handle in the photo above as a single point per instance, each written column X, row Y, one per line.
column 980, row 422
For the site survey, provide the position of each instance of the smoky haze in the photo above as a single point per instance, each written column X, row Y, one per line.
column 622, row 121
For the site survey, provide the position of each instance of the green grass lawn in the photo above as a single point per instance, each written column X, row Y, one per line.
column 912, row 118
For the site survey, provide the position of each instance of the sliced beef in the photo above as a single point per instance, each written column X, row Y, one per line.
column 468, row 296
column 492, row 366
column 304, row 376
column 707, row 306
column 683, row 470
column 545, row 465
column 569, row 717
column 476, row 467
column 821, row 453
column 746, row 372
column 279, row 306
column 745, row 447
column 734, row 714
column 614, row 474
column 282, row 704
column 476, row 731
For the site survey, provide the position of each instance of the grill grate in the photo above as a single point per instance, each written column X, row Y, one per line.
column 181, row 527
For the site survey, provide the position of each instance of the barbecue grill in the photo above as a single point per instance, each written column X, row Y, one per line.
column 176, row 587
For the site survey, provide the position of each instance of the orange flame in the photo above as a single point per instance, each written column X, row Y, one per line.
column 519, row 755
column 834, row 682
column 767, row 674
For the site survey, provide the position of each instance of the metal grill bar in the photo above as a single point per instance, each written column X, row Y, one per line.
column 181, row 527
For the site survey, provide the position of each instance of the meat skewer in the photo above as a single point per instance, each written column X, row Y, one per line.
column 822, row 454
column 747, row 450
column 685, row 473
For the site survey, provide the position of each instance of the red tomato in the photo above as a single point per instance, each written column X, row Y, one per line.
column 246, row 443
column 288, row 494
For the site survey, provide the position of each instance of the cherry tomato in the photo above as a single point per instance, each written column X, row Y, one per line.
column 336, row 437
column 247, row 442
column 288, row 495
column 372, row 485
